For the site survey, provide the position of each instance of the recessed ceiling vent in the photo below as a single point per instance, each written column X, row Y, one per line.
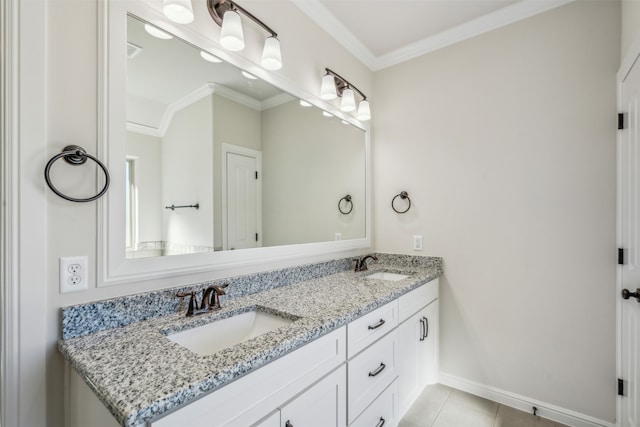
column 133, row 50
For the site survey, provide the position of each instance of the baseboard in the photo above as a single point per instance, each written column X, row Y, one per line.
column 523, row 403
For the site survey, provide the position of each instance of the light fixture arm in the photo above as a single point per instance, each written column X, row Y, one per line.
column 342, row 84
column 217, row 9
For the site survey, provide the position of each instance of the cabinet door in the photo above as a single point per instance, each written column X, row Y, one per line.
column 418, row 355
column 383, row 411
column 272, row 420
column 322, row 405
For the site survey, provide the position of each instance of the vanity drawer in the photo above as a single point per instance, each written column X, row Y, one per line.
column 368, row 328
column 413, row 301
column 370, row 373
column 383, row 411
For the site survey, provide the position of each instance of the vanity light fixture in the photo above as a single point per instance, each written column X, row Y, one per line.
column 209, row 57
column 180, row 11
column 226, row 13
column 157, row 32
column 334, row 85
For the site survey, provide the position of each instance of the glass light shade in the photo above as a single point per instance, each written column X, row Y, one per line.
column 180, row 11
column 208, row 57
column 348, row 103
column 364, row 112
column 328, row 88
column 231, row 34
column 157, row 32
column 271, row 56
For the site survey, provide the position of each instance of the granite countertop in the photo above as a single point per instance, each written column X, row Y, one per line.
column 139, row 374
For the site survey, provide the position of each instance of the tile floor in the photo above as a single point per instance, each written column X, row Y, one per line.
column 442, row 406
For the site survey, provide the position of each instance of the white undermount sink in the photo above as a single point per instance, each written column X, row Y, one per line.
column 220, row 334
column 386, row 275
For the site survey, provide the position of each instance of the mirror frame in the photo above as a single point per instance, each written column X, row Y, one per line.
column 112, row 266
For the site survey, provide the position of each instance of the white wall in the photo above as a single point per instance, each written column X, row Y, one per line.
column 306, row 174
column 187, row 168
column 506, row 145
column 147, row 153
column 66, row 229
column 630, row 24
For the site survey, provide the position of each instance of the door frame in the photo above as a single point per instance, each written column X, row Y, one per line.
column 9, row 321
column 632, row 55
column 242, row 151
column 23, row 294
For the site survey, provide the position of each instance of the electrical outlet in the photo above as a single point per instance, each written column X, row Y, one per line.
column 73, row 274
column 417, row 243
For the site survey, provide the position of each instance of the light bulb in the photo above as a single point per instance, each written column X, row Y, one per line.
column 364, row 112
column 180, row 11
column 231, row 34
column 208, row 57
column 348, row 103
column 328, row 88
column 271, row 56
column 157, row 32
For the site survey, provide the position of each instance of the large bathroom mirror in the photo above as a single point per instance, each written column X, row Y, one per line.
column 220, row 167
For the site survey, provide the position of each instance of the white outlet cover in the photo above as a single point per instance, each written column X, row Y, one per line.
column 417, row 243
column 74, row 274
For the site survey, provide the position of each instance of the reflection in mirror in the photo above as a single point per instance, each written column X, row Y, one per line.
column 219, row 161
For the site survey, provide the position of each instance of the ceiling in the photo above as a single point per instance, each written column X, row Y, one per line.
column 382, row 33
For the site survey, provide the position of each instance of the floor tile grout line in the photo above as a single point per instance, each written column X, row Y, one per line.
column 442, row 407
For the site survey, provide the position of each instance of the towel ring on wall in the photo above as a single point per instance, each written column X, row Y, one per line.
column 348, row 200
column 76, row 155
column 403, row 195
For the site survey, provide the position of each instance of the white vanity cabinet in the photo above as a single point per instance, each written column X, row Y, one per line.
column 366, row 373
column 372, row 347
column 418, row 337
column 249, row 399
column 324, row 404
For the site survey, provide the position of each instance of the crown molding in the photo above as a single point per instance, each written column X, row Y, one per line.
column 192, row 98
column 274, row 101
column 499, row 18
column 328, row 22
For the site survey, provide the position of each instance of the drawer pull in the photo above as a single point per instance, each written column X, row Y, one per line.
column 288, row 424
column 380, row 423
column 377, row 325
column 424, row 328
column 378, row 370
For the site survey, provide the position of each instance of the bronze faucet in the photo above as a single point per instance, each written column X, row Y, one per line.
column 210, row 299
column 361, row 263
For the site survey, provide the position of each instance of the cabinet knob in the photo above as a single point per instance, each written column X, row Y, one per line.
column 288, row 424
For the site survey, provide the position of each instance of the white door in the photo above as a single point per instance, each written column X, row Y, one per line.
column 241, row 201
column 629, row 171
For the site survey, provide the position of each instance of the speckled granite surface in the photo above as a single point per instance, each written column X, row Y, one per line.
column 139, row 374
column 83, row 319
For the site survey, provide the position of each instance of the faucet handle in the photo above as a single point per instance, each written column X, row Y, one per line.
column 217, row 291
column 192, row 301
